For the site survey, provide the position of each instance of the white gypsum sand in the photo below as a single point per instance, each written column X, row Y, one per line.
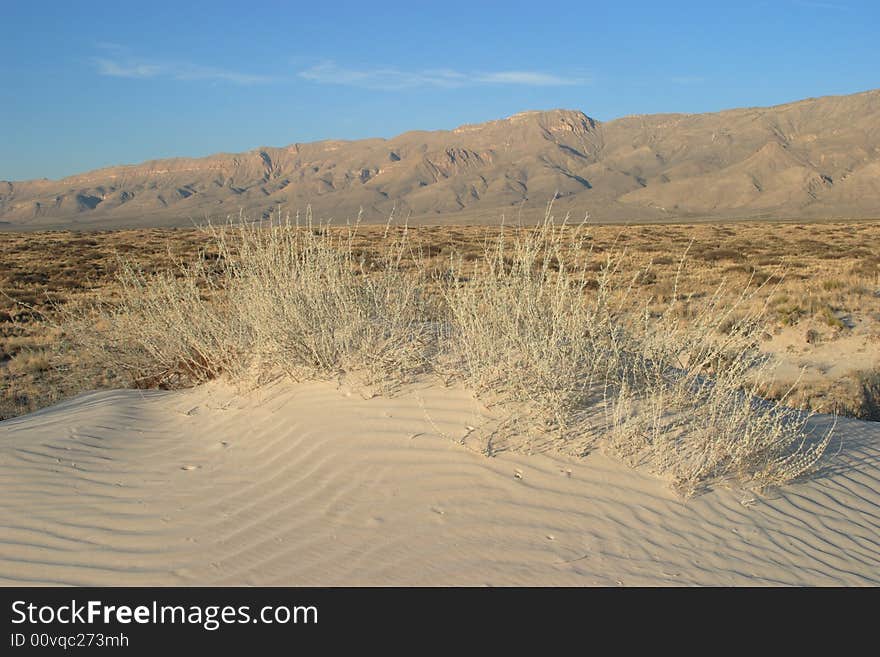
column 312, row 484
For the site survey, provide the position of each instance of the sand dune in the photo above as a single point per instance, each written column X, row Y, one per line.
column 315, row 485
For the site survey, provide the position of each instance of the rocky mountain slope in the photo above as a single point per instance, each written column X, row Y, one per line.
column 814, row 158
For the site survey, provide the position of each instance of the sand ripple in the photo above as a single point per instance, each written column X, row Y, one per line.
column 313, row 485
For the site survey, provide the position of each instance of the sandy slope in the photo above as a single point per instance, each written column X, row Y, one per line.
column 313, row 485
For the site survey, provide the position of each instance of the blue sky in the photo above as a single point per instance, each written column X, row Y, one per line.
column 88, row 84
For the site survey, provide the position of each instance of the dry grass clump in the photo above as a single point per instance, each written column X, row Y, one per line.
column 538, row 323
column 281, row 299
column 534, row 325
column 310, row 306
column 679, row 396
column 688, row 405
column 167, row 329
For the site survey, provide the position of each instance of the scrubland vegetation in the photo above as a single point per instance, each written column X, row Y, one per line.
column 628, row 344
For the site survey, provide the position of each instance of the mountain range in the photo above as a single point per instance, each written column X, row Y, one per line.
column 815, row 158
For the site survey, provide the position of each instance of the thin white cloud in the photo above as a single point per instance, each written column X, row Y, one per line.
column 380, row 78
column 530, row 78
column 391, row 79
column 138, row 68
column 116, row 69
column 116, row 61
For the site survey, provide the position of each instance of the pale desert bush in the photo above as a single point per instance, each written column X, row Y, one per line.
column 536, row 325
column 533, row 325
column 688, row 405
column 284, row 299
column 167, row 329
column 677, row 395
column 312, row 308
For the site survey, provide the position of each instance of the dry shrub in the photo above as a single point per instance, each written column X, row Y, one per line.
column 689, row 407
column 313, row 306
column 282, row 299
column 168, row 329
column 678, row 395
column 532, row 324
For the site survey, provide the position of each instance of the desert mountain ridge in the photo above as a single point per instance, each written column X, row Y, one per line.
column 815, row 158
